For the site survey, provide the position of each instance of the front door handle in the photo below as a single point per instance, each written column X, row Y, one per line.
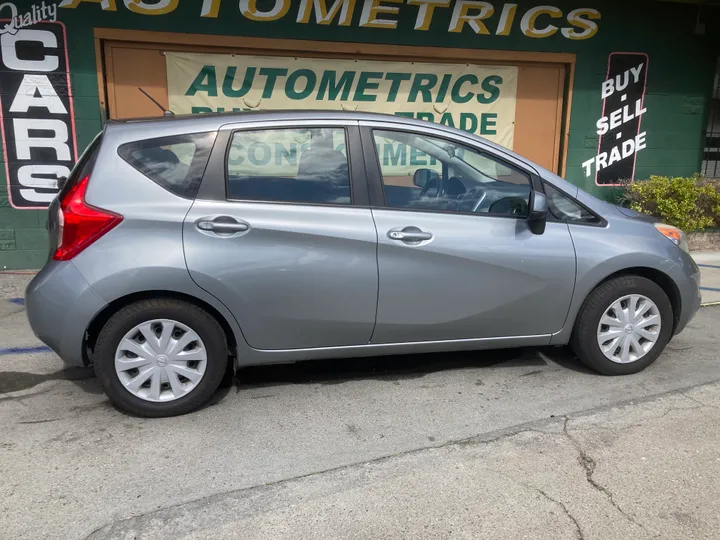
column 409, row 234
column 223, row 225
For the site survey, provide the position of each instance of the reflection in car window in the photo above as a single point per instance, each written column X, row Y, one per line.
column 289, row 165
column 564, row 208
column 426, row 173
column 176, row 163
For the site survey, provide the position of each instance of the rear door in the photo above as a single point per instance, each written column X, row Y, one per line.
column 282, row 234
column 456, row 258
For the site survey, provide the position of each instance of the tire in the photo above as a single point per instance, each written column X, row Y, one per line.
column 584, row 340
column 184, row 315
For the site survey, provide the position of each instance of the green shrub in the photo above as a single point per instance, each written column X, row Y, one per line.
column 691, row 204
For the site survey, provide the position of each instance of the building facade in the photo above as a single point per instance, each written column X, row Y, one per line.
column 599, row 92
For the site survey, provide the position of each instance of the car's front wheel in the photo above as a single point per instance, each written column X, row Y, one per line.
column 160, row 357
column 623, row 326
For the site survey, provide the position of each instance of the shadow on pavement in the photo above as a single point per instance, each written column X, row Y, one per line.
column 399, row 367
column 329, row 372
column 16, row 381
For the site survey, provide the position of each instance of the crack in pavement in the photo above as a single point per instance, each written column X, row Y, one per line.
column 578, row 529
column 695, row 400
column 589, row 464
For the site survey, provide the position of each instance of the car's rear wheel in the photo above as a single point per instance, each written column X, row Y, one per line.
column 160, row 357
column 623, row 326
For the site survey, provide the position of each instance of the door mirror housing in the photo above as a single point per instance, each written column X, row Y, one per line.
column 424, row 177
column 537, row 217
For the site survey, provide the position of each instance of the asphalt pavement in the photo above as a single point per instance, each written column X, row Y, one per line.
column 522, row 443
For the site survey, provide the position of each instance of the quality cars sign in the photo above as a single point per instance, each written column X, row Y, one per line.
column 37, row 120
column 478, row 99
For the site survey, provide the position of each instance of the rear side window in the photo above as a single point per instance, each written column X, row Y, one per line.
column 175, row 163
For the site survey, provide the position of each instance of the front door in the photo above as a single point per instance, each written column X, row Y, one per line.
column 455, row 256
column 287, row 249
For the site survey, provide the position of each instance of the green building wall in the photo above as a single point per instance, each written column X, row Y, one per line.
column 681, row 67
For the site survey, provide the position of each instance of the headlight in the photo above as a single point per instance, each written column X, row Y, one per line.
column 675, row 235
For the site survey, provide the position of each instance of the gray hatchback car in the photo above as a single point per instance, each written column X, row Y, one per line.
column 184, row 246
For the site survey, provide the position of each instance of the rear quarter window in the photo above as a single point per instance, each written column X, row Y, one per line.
column 176, row 163
column 83, row 167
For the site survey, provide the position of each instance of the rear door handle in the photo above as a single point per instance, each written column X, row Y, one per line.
column 223, row 225
column 409, row 234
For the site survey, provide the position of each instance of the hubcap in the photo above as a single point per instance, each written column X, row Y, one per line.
column 629, row 328
column 160, row 360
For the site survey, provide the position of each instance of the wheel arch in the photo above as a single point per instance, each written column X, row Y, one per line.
column 660, row 278
column 104, row 315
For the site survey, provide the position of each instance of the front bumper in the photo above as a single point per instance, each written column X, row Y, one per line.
column 688, row 282
column 60, row 306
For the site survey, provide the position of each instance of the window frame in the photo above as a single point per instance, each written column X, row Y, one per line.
column 356, row 172
column 374, row 168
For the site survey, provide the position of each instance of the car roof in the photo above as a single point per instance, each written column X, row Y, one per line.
column 259, row 116
column 223, row 118
column 189, row 123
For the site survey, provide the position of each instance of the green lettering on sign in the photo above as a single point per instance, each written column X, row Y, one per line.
column 394, row 156
column 199, row 84
column 468, row 122
column 396, row 80
column 417, row 157
column 281, row 153
column 456, row 96
column 492, row 89
column 264, row 158
column 364, row 84
column 488, row 121
column 422, row 84
column 272, row 75
column 291, row 90
column 444, row 85
column 228, row 89
column 330, row 85
column 447, row 120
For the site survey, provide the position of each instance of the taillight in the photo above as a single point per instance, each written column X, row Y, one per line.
column 80, row 224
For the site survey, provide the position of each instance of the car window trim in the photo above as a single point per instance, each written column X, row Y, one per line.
column 356, row 170
column 378, row 198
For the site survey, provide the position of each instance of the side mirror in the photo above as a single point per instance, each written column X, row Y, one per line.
column 537, row 217
column 423, row 177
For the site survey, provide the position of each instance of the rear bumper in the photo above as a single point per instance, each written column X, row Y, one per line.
column 60, row 306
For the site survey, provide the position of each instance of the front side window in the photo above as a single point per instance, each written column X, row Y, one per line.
column 425, row 173
column 176, row 163
column 289, row 165
column 564, row 208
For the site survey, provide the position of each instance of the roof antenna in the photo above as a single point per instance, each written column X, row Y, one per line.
column 165, row 111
